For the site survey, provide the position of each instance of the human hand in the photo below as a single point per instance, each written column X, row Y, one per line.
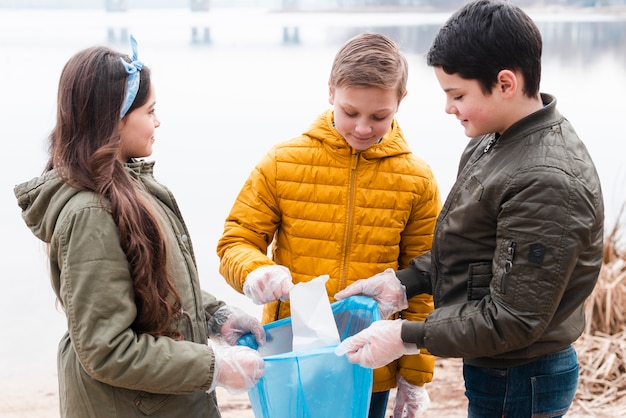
column 384, row 287
column 231, row 323
column 411, row 401
column 237, row 368
column 268, row 283
column 377, row 345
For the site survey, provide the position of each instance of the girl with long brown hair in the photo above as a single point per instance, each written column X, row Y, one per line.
column 121, row 260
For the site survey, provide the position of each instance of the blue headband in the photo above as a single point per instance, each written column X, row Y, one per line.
column 132, row 68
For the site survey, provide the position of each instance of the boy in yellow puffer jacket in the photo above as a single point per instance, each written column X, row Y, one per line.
column 346, row 198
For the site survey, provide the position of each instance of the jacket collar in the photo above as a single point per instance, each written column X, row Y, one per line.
column 535, row 121
column 392, row 144
column 43, row 198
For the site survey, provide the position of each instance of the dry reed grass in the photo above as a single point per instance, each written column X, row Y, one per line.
column 602, row 347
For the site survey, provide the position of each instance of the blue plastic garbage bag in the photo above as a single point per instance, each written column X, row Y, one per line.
column 313, row 383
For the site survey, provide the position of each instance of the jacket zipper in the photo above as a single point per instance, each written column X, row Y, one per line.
column 446, row 208
column 348, row 234
column 490, row 144
column 508, row 265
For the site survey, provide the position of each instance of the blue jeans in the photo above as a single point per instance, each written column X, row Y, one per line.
column 378, row 404
column 544, row 388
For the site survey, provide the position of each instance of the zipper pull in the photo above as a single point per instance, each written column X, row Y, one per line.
column 489, row 145
column 508, row 265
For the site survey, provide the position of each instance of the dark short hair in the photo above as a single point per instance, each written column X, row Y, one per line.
column 485, row 37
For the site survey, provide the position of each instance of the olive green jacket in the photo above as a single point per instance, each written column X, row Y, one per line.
column 517, row 248
column 105, row 368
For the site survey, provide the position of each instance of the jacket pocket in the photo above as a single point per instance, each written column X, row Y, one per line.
column 149, row 403
column 475, row 188
column 480, row 276
column 185, row 326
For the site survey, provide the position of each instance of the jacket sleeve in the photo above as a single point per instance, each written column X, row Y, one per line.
column 96, row 291
column 250, row 226
column 210, row 305
column 417, row 369
column 417, row 240
column 417, row 278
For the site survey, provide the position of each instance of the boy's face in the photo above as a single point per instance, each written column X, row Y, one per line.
column 363, row 114
column 479, row 113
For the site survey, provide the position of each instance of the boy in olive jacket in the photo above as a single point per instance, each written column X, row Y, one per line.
column 518, row 245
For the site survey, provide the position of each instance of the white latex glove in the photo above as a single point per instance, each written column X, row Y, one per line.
column 377, row 345
column 384, row 287
column 237, row 368
column 411, row 401
column 268, row 283
column 231, row 323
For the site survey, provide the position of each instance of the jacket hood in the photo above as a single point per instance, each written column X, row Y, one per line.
column 393, row 142
column 41, row 200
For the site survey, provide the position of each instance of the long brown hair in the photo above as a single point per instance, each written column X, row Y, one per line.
column 84, row 146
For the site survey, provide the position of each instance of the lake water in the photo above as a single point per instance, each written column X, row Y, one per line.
column 223, row 104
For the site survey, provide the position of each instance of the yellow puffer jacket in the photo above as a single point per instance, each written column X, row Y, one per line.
column 328, row 209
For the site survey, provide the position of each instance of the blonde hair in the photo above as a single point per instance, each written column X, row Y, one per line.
column 370, row 60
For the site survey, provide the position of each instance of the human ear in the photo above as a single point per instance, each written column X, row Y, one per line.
column 331, row 94
column 403, row 96
column 507, row 82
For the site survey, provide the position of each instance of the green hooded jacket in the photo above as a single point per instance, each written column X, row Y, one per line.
column 105, row 368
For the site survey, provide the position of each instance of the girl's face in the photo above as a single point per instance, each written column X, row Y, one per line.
column 479, row 113
column 363, row 114
column 137, row 130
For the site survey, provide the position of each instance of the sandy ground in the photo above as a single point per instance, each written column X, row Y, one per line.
column 31, row 397
column 38, row 397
